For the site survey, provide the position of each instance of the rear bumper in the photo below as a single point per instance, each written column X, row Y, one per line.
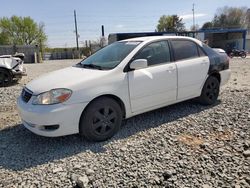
column 225, row 76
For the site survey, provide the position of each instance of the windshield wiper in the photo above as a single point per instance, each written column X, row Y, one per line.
column 92, row 66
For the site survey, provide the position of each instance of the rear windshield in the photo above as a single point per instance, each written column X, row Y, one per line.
column 209, row 51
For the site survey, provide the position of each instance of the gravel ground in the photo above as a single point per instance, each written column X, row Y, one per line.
column 183, row 145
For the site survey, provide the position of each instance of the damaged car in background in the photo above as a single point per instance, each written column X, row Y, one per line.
column 11, row 68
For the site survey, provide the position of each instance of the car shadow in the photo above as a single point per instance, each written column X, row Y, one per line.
column 21, row 149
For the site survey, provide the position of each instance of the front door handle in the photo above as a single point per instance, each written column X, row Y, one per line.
column 171, row 68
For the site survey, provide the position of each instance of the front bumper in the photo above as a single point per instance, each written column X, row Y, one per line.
column 51, row 120
column 19, row 73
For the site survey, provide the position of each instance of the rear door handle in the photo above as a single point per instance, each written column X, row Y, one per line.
column 204, row 62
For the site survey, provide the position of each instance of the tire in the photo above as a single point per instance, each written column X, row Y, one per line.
column 101, row 119
column 231, row 55
column 243, row 55
column 210, row 91
column 5, row 78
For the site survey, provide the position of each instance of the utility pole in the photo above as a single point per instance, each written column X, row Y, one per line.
column 193, row 18
column 102, row 37
column 77, row 44
column 102, row 30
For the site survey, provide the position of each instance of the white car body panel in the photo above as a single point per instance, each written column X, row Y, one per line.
column 225, row 76
column 152, row 86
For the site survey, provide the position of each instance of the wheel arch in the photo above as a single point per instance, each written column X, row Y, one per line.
column 118, row 100
column 115, row 98
column 210, row 89
column 216, row 75
column 5, row 68
column 10, row 76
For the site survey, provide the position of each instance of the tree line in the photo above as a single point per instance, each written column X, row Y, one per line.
column 230, row 17
column 226, row 17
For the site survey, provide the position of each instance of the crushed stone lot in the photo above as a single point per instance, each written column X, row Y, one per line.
column 183, row 145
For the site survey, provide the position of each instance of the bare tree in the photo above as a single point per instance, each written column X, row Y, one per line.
column 230, row 17
column 207, row 25
column 195, row 28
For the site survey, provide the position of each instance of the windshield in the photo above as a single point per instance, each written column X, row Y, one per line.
column 110, row 56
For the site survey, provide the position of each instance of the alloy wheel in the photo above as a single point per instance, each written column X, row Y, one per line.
column 104, row 120
column 212, row 90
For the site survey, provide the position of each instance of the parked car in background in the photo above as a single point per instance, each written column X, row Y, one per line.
column 11, row 68
column 122, row 80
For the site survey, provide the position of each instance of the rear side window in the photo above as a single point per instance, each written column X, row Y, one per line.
column 155, row 53
column 201, row 52
column 184, row 49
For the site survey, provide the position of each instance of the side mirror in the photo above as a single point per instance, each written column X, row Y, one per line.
column 139, row 64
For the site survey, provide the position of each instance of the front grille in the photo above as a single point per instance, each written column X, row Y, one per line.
column 26, row 95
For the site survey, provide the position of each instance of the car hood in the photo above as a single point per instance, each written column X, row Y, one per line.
column 69, row 78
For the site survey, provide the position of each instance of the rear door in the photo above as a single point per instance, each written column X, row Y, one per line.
column 192, row 65
column 155, row 85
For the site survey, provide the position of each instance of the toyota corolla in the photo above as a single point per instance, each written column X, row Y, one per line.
column 123, row 79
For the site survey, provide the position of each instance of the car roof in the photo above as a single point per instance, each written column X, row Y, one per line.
column 153, row 38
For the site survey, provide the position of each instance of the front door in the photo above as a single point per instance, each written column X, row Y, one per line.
column 155, row 85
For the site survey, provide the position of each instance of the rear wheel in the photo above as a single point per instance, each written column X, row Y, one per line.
column 231, row 55
column 243, row 55
column 5, row 77
column 210, row 91
column 101, row 120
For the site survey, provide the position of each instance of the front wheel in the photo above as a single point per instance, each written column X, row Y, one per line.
column 210, row 91
column 5, row 78
column 101, row 120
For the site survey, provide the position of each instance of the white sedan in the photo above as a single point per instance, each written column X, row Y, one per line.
column 119, row 81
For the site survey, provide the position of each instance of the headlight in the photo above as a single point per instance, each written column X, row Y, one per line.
column 53, row 96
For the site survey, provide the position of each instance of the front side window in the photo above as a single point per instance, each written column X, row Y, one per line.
column 155, row 53
column 184, row 49
column 110, row 56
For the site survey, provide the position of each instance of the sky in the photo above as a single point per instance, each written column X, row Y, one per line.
column 115, row 15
